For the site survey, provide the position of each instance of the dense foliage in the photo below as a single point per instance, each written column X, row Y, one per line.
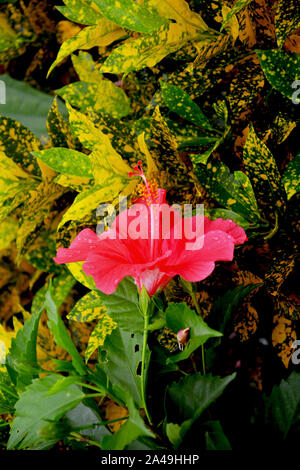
column 206, row 95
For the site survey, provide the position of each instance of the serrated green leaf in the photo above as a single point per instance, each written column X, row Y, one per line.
column 179, row 317
column 123, row 306
column 281, row 69
column 192, row 395
column 122, row 363
column 35, row 409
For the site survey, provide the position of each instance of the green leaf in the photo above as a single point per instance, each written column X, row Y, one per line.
column 192, row 395
column 131, row 15
column 180, row 103
column 123, row 306
column 262, row 169
column 66, row 161
column 79, row 11
column 291, row 177
column 215, row 438
column 238, row 6
column 122, row 363
column 28, row 106
column 21, row 360
column 35, row 409
column 282, row 406
column 101, row 97
column 132, row 429
column 287, row 19
column 233, row 191
column 61, row 286
column 226, row 214
column 281, row 69
column 62, row 339
column 179, row 317
column 102, row 34
column 8, row 393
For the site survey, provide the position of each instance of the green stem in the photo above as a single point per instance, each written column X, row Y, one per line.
column 143, row 378
column 194, row 298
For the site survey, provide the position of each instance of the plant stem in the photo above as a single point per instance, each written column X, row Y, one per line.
column 143, row 378
column 194, row 298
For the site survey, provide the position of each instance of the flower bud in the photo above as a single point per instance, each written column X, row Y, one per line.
column 182, row 337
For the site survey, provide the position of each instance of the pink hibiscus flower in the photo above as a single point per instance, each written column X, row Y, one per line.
column 140, row 245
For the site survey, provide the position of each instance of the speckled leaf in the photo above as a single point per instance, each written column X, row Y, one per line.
column 84, row 66
column 281, row 69
column 80, row 276
column 280, row 268
column 10, row 41
column 80, row 11
column 103, row 34
column 238, row 6
column 180, row 103
column 77, row 183
column 35, row 210
column 245, row 88
column 190, row 136
column 151, row 49
column 233, row 191
column 104, row 327
column 101, row 97
column 287, row 19
column 66, row 161
column 291, row 177
column 17, row 142
column 131, row 15
column 177, row 10
column 61, row 286
column 88, row 308
column 284, row 331
column 58, row 129
column 262, row 169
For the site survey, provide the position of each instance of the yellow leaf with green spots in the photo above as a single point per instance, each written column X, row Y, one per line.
column 80, row 11
column 102, row 34
column 10, row 170
column 291, row 177
column 150, row 49
column 78, row 183
column 88, row 308
column 131, row 15
column 66, row 161
column 262, row 169
column 281, row 69
column 287, row 19
column 104, row 327
column 80, row 276
column 10, row 40
column 84, row 66
column 179, row 11
column 17, row 142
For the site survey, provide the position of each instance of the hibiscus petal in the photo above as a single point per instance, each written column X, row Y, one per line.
column 228, row 226
column 86, row 241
